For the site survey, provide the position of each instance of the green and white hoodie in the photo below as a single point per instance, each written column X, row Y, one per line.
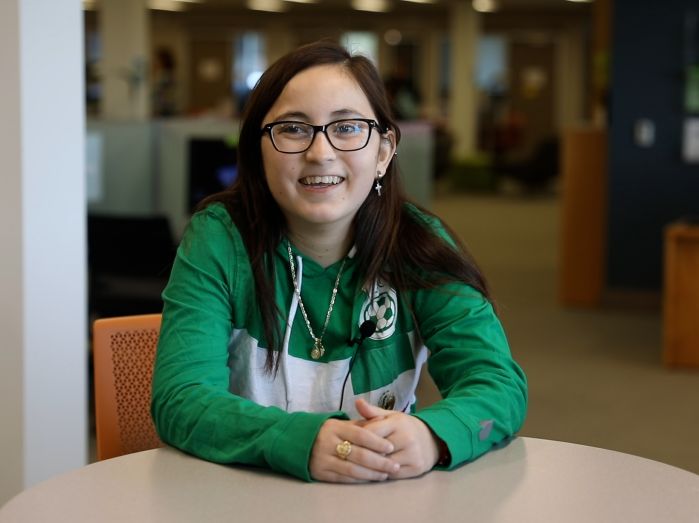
column 212, row 397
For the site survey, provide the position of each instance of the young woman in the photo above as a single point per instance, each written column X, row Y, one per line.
column 305, row 299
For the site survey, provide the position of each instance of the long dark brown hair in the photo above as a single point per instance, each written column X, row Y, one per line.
column 392, row 243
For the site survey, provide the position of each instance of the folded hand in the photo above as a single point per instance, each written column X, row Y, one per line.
column 415, row 447
column 367, row 460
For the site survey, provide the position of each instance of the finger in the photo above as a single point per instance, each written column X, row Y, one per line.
column 373, row 461
column 361, row 422
column 358, row 472
column 408, row 471
column 336, row 477
column 412, row 463
column 368, row 411
column 330, row 467
column 383, row 428
column 366, row 438
column 407, row 468
column 405, row 473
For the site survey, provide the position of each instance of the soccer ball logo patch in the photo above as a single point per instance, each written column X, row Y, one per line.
column 383, row 310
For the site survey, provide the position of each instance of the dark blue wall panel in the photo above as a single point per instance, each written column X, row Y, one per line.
column 649, row 187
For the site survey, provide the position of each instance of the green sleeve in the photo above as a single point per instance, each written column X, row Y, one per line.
column 484, row 391
column 191, row 405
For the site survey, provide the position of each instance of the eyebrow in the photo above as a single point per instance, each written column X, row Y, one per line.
column 340, row 113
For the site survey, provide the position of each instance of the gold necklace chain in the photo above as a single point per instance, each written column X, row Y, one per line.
column 318, row 349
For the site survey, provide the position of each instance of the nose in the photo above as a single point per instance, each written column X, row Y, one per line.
column 320, row 148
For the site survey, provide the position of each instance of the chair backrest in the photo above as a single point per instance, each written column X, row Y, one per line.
column 123, row 356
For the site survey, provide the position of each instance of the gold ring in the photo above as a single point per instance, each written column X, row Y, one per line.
column 343, row 449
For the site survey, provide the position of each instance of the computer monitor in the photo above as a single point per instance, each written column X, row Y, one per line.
column 212, row 167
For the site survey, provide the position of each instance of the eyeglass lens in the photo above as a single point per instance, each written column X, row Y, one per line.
column 344, row 135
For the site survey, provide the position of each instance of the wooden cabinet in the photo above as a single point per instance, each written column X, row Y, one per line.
column 681, row 296
column 583, row 217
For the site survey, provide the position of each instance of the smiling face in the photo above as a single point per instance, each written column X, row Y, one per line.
column 323, row 186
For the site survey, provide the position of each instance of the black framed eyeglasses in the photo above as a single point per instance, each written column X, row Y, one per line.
column 293, row 137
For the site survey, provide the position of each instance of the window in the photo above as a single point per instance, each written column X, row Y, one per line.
column 249, row 62
column 364, row 43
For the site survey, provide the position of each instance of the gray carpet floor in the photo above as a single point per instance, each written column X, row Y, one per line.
column 595, row 375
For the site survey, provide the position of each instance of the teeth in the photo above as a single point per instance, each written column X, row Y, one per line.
column 327, row 180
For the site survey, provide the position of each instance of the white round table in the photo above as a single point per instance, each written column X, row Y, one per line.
column 528, row 480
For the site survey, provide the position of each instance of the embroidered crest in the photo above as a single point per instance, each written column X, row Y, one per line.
column 382, row 309
column 387, row 400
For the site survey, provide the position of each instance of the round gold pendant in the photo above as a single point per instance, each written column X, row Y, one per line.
column 317, row 351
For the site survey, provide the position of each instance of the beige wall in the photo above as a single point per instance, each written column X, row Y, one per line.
column 422, row 27
column 171, row 33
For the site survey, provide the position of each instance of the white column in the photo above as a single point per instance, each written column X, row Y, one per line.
column 43, row 353
column 11, row 297
column 465, row 29
column 125, row 64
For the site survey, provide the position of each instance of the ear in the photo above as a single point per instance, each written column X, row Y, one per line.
column 387, row 150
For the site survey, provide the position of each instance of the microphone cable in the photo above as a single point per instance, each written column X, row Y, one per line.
column 366, row 330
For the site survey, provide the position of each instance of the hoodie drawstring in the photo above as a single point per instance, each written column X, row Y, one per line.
column 289, row 322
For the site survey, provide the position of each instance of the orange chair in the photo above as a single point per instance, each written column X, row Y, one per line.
column 123, row 356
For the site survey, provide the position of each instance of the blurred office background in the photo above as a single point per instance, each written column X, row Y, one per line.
column 560, row 139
